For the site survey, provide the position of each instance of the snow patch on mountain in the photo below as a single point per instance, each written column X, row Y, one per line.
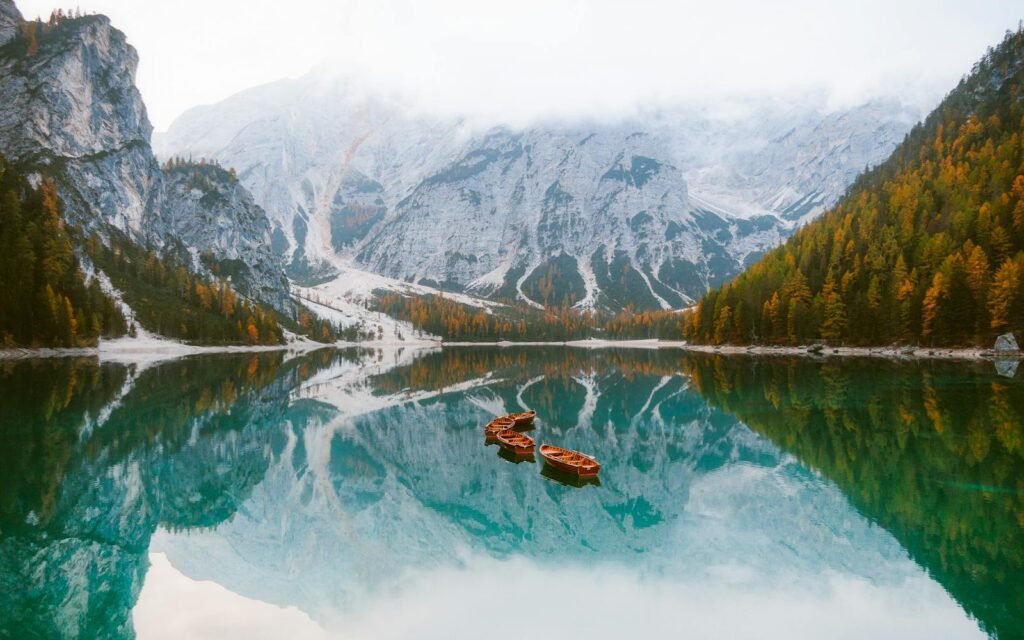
column 345, row 300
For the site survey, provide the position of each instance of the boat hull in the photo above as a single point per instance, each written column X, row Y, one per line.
column 515, row 442
column 577, row 464
column 514, row 458
column 523, row 420
column 498, row 425
column 568, row 468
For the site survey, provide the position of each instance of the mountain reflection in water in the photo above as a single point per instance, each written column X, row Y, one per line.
column 350, row 491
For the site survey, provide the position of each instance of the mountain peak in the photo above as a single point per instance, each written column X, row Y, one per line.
column 76, row 96
column 647, row 211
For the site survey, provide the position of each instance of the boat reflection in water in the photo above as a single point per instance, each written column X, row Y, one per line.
column 569, row 479
column 514, row 458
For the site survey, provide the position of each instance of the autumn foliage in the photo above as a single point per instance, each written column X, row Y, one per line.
column 926, row 248
column 172, row 300
column 47, row 300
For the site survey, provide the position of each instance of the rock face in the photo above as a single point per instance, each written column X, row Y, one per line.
column 207, row 208
column 647, row 211
column 605, row 214
column 1006, row 343
column 10, row 17
column 72, row 112
column 799, row 161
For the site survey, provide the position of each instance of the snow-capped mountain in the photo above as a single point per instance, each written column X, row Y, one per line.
column 645, row 211
column 649, row 210
column 797, row 159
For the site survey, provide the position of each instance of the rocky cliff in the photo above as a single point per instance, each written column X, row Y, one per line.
column 72, row 112
column 10, row 18
column 607, row 214
column 207, row 209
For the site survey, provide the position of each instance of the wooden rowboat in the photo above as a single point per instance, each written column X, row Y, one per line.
column 569, row 461
column 498, row 424
column 515, row 442
column 523, row 419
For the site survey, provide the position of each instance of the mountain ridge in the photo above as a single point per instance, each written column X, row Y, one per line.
column 350, row 178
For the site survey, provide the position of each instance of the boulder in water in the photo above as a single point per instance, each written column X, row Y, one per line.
column 1006, row 343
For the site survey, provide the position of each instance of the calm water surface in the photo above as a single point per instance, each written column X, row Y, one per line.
column 350, row 494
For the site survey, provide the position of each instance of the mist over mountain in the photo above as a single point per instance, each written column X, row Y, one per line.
column 640, row 211
column 645, row 211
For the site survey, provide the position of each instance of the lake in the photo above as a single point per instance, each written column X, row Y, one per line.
column 350, row 494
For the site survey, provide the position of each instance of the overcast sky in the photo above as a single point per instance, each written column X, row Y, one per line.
column 522, row 59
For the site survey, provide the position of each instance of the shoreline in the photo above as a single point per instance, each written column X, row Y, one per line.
column 590, row 343
column 151, row 348
column 147, row 350
column 887, row 352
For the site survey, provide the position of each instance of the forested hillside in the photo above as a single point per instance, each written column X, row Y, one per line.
column 45, row 298
column 49, row 301
column 927, row 248
column 171, row 300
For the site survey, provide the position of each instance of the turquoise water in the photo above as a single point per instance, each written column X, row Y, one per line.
column 351, row 494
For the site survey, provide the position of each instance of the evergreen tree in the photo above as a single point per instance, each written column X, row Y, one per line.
column 46, row 298
column 1005, row 305
column 834, row 323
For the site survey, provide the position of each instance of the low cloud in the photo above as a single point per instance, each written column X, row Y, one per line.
column 555, row 58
